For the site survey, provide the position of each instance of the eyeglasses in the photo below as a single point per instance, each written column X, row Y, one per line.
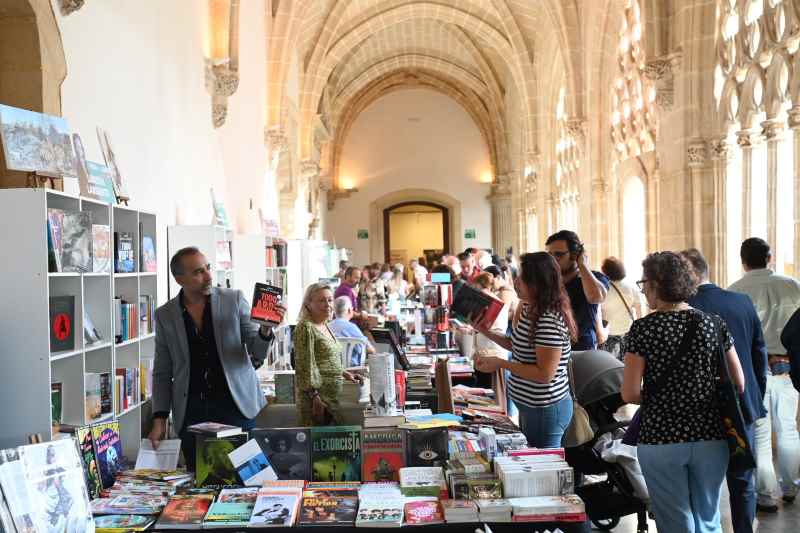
column 558, row 255
column 641, row 283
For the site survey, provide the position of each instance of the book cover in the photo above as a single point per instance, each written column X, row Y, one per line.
column 470, row 302
column 214, row 468
column 56, row 392
column 423, row 481
column 148, row 253
column 99, row 183
column 265, row 304
column 122, row 523
column 88, row 460
column 185, row 511
column 124, row 254
column 224, row 255
column 426, row 447
column 55, row 223
column 383, row 454
column 101, row 248
column 214, row 429
column 108, row 451
column 278, row 510
column 421, row 513
column 284, row 387
column 388, row 513
column 485, row 489
column 251, row 464
column 336, row 453
column 92, row 400
column 105, row 393
column 62, row 323
column 326, row 508
column 288, row 450
column 90, row 333
column 76, row 242
column 232, row 508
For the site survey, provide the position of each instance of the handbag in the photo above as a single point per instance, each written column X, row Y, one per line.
column 633, row 432
column 580, row 430
column 728, row 401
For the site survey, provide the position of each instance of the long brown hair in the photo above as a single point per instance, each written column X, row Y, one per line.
column 542, row 276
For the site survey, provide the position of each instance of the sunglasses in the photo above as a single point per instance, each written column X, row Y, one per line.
column 641, row 283
column 558, row 255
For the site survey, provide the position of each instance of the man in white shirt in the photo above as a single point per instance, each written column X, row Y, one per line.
column 776, row 298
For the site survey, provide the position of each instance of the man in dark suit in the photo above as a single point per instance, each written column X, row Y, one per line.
column 744, row 325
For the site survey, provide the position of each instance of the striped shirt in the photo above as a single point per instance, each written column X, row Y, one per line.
column 551, row 332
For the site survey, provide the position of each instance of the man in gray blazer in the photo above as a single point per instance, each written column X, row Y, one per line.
column 204, row 340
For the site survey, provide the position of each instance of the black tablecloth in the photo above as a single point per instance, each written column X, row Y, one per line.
column 539, row 527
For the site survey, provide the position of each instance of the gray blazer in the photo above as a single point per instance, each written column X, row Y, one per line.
column 233, row 331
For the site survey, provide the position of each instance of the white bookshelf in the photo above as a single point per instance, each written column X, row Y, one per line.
column 28, row 365
column 204, row 237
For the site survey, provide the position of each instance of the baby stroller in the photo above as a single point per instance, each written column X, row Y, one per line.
column 597, row 382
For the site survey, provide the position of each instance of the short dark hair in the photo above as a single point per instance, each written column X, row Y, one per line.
column 698, row 262
column 613, row 268
column 463, row 256
column 755, row 253
column 344, row 263
column 349, row 271
column 494, row 270
column 471, row 250
column 176, row 263
column 672, row 273
column 570, row 237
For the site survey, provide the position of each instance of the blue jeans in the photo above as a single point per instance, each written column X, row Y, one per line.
column 742, row 488
column 684, row 481
column 544, row 426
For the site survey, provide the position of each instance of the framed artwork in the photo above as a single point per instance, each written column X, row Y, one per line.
column 111, row 162
column 33, row 142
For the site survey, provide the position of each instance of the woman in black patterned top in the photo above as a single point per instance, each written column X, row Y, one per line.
column 681, row 448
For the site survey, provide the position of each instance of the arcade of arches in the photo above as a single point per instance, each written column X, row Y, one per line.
column 641, row 124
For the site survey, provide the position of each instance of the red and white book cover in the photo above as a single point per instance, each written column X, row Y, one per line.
column 423, row 513
column 266, row 299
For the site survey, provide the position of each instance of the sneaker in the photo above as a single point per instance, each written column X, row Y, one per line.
column 769, row 508
column 789, row 499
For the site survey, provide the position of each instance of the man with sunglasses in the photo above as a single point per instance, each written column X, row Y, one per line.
column 586, row 289
column 204, row 342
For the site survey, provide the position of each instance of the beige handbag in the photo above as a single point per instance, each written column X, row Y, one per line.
column 580, row 429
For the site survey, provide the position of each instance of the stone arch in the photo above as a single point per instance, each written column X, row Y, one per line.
column 750, row 105
column 377, row 207
column 778, row 74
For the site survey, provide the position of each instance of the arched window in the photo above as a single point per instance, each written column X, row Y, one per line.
column 634, row 220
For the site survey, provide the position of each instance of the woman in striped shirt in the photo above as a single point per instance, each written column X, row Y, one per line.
column 541, row 347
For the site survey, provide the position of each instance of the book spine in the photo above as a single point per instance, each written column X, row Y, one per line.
column 117, row 320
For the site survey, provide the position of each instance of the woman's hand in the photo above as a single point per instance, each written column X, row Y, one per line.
column 488, row 363
column 318, row 408
column 353, row 377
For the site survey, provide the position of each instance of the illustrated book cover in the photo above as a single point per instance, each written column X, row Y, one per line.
column 89, row 460
column 101, row 248
column 327, row 508
column 122, row 523
column 427, row 447
column 214, row 468
column 185, row 511
column 124, row 254
column 276, row 510
column 470, row 303
column 62, row 323
column 336, row 453
column 288, row 450
column 383, row 454
column 265, row 301
column 148, row 254
column 99, row 182
column 423, row 513
column 55, row 225
column 76, row 242
column 232, row 508
column 108, row 451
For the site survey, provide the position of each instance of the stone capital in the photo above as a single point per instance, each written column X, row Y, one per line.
column 501, row 191
column 721, row 150
column 70, row 6
column 772, row 129
column 696, row 153
column 309, row 169
column 794, row 117
column 747, row 138
column 221, row 80
column 275, row 139
column 601, row 185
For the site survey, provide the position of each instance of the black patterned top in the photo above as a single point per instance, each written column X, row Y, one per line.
column 684, row 409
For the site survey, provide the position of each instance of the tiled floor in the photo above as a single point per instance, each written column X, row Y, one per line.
column 786, row 520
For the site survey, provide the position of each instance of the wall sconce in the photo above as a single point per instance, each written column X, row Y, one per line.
column 222, row 63
column 486, row 177
column 347, row 184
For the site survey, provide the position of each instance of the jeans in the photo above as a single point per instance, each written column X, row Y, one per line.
column 742, row 489
column 544, row 426
column 780, row 401
column 684, row 481
column 198, row 411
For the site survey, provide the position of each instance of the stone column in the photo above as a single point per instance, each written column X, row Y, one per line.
column 746, row 140
column 794, row 124
column 309, row 172
column 696, row 155
column 721, row 153
column 502, row 216
column 601, row 238
column 773, row 131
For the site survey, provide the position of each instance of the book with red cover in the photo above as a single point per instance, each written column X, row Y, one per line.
column 185, row 512
column 423, row 513
column 383, row 454
column 265, row 301
column 471, row 302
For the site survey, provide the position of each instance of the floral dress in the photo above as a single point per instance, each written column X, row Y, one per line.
column 318, row 365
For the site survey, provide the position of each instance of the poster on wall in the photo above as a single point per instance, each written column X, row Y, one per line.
column 111, row 162
column 33, row 142
column 469, row 233
column 362, row 234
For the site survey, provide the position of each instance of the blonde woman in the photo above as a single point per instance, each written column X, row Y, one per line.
column 318, row 365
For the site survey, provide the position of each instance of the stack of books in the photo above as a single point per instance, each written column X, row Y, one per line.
column 464, row 444
column 148, row 483
column 277, row 503
column 185, row 511
column 380, row 505
column 329, row 504
column 459, row 511
column 233, row 508
column 494, row 510
column 423, row 481
column 534, row 475
column 129, row 504
column 566, row 508
column 423, row 512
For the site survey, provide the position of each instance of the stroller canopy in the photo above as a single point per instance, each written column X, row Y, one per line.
column 597, row 375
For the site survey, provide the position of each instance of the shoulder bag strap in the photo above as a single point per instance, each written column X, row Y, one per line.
column 723, row 372
column 624, row 301
column 682, row 348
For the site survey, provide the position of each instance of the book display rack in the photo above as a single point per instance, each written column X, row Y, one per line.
column 215, row 242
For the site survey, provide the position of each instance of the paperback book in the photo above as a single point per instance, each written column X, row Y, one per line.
column 101, row 248
column 251, row 464
column 423, row 513
column 56, row 398
column 327, row 508
column 336, row 453
column 76, row 242
column 88, row 461
column 214, row 429
column 124, row 254
column 233, row 508
column 427, row 447
column 185, row 512
column 55, row 224
column 148, row 254
column 108, row 451
column 471, row 303
column 122, row 523
column 129, row 504
column 274, row 509
column 214, row 468
column 266, row 299
column 383, row 454
column 288, row 450
column 423, row 481
column 62, row 323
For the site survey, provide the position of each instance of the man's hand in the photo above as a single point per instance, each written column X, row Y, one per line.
column 353, row 377
column 583, row 260
column 158, row 432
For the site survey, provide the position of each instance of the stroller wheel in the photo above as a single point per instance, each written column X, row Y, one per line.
column 607, row 524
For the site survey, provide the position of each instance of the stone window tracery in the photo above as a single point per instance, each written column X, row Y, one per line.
column 567, row 159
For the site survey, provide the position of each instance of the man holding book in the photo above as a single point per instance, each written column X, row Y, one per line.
column 204, row 343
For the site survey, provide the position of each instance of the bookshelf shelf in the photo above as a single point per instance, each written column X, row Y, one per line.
column 31, row 372
column 147, row 336
column 217, row 243
column 130, row 409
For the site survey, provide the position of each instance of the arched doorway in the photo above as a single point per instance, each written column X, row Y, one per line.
column 415, row 229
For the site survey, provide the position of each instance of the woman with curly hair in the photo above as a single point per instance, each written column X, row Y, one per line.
column 541, row 345
column 681, row 445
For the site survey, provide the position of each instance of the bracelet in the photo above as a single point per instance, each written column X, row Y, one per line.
column 311, row 394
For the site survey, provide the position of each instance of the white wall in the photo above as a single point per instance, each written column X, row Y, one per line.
column 385, row 152
column 137, row 70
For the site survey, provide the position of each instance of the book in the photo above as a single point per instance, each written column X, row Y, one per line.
column 55, row 223
column 284, row 387
column 372, row 420
column 214, row 468
column 148, row 254
column 427, row 447
column 383, row 454
column 12, row 481
column 485, row 489
column 251, row 464
column 90, row 333
column 56, row 397
column 214, row 429
column 336, row 453
column 265, row 301
column 129, row 504
column 274, row 509
column 76, row 242
column 165, row 458
column 185, row 511
column 108, row 451
column 380, row 505
column 328, row 508
column 288, row 450
column 124, row 254
column 101, row 248
column 106, row 398
column 423, row 481
column 232, row 508
column 62, row 323
column 88, row 460
column 566, row 508
column 92, row 400
column 423, row 513
column 122, row 523
column 470, row 303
